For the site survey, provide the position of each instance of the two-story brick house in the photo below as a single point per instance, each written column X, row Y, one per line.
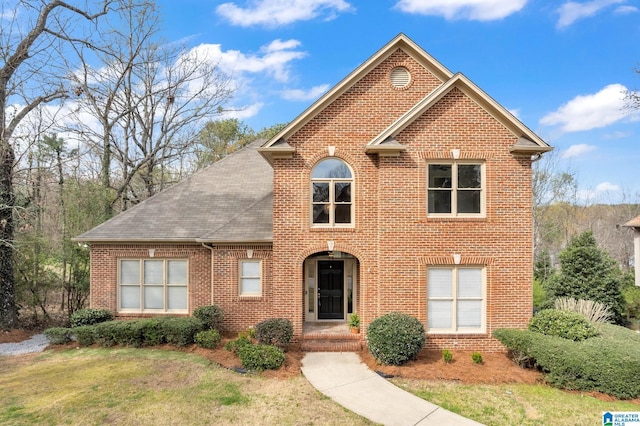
column 404, row 188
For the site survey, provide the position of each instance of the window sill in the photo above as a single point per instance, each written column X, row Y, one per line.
column 454, row 219
column 152, row 312
column 457, row 334
column 332, row 228
column 249, row 297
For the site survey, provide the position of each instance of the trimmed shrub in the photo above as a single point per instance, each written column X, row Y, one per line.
column 260, row 357
column 447, row 356
column 275, row 331
column 211, row 316
column 601, row 363
column 84, row 335
column 476, row 357
column 234, row 345
column 181, row 331
column 107, row 333
column 90, row 316
column 129, row 333
column 566, row 324
column 151, row 331
column 395, row 338
column 58, row 335
column 209, row 339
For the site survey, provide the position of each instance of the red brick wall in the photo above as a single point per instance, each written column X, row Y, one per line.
column 393, row 238
column 220, row 288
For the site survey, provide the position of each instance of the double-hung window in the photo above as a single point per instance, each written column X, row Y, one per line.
column 153, row 285
column 456, row 299
column 250, row 277
column 331, row 194
column 455, row 189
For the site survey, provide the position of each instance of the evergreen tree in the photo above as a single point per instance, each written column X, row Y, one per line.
column 587, row 272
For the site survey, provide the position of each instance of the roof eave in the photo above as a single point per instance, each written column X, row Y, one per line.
column 385, row 150
column 231, row 242
column 530, row 150
column 102, row 240
column 271, row 154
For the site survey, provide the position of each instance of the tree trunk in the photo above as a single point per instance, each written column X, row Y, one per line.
column 8, row 310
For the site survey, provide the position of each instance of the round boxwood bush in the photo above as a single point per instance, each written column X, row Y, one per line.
column 90, row 316
column 395, row 338
column 210, row 315
column 208, row 339
column 566, row 324
column 260, row 357
column 275, row 331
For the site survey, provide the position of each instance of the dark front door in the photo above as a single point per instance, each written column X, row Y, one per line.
column 330, row 289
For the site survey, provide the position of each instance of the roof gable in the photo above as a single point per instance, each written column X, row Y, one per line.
column 277, row 146
column 529, row 143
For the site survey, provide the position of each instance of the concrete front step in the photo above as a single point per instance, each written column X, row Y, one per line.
column 315, row 342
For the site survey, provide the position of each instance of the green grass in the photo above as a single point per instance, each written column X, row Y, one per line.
column 515, row 404
column 94, row 386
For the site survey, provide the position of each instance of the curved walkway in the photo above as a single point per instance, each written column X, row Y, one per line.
column 349, row 382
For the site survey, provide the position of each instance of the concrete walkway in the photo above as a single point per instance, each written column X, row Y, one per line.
column 349, row 382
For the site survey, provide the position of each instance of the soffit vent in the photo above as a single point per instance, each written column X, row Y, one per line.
column 400, row 77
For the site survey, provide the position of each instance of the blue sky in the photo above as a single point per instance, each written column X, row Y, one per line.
column 560, row 67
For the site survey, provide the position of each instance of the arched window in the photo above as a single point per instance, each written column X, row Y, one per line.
column 332, row 193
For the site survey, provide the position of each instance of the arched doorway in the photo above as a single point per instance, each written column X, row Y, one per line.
column 331, row 286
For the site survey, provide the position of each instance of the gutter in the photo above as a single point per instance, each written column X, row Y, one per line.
column 211, row 266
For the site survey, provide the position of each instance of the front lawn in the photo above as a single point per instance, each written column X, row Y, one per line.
column 515, row 404
column 152, row 387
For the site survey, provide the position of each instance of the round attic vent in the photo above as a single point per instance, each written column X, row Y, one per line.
column 400, row 77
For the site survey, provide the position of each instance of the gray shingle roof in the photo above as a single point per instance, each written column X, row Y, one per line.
column 229, row 201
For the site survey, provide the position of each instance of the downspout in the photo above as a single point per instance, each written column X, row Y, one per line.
column 211, row 266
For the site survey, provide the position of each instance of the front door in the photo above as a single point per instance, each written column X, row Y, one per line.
column 330, row 289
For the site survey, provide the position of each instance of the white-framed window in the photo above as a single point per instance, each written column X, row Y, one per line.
column 332, row 194
column 153, row 285
column 250, row 277
column 456, row 299
column 456, row 188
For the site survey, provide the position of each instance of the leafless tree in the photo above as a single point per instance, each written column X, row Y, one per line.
column 35, row 36
column 148, row 100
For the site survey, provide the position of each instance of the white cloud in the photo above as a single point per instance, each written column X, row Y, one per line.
column 577, row 150
column 242, row 112
column 275, row 13
column 301, row 95
column 273, row 59
column 515, row 112
column 572, row 11
column 587, row 112
column 623, row 10
column 605, row 192
column 606, row 186
column 616, row 135
column 473, row 10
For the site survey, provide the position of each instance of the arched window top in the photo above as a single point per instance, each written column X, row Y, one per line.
column 331, row 168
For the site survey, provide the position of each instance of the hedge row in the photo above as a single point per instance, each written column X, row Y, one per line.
column 606, row 363
column 144, row 332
